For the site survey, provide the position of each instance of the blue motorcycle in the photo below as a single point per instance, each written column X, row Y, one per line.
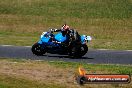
column 72, row 44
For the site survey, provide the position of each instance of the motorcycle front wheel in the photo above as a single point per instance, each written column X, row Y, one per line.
column 37, row 49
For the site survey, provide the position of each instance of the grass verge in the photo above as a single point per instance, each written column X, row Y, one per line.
column 10, row 81
column 23, row 73
column 108, row 22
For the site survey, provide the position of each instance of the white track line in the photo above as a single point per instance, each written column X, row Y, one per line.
column 6, row 45
column 104, row 49
column 113, row 49
column 128, row 50
column 27, row 46
column 14, row 45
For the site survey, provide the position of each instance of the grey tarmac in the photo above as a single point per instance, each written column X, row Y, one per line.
column 93, row 56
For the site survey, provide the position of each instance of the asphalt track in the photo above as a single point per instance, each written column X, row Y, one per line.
column 93, row 56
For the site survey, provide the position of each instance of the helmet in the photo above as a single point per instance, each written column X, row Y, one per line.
column 65, row 27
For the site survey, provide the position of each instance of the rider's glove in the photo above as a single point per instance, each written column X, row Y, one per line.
column 52, row 30
column 55, row 29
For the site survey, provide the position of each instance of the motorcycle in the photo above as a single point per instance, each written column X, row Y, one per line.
column 55, row 43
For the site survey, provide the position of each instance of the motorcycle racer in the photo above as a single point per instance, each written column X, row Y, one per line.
column 66, row 31
column 66, row 41
column 65, row 28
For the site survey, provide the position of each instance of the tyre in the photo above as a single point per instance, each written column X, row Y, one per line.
column 84, row 49
column 78, row 51
column 74, row 52
column 38, row 50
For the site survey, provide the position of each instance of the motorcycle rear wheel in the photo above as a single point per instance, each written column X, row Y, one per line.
column 78, row 51
column 84, row 49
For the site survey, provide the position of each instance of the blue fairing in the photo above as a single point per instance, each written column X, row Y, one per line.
column 59, row 37
column 83, row 39
column 40, row 42
column 45, row 39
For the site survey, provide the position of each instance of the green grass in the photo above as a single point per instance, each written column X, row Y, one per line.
column 108, row 69
column 8, row 81
column 108, row 22
column 69, row 8
column 22, row 73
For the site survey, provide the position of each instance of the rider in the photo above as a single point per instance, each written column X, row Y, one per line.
column 65, row 29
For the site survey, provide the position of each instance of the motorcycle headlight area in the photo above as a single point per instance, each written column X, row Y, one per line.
column 45, row 34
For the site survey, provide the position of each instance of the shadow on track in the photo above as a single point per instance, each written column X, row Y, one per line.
column 64, row 56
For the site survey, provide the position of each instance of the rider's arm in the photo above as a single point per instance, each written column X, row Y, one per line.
column 55, row 30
